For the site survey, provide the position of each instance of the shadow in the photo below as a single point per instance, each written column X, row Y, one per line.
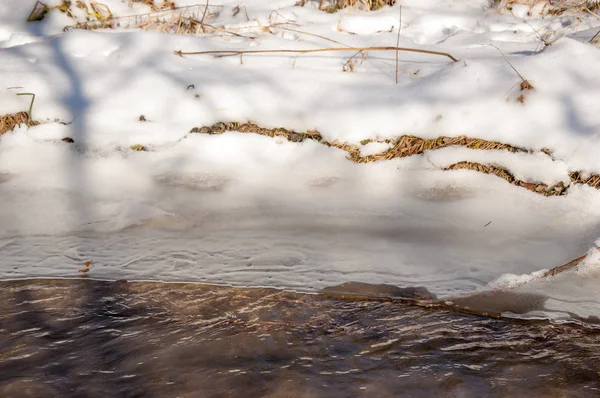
column 64, row 342
column 526, row 53
column 155, row 340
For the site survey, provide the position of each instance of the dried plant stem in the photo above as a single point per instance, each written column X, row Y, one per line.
column 225, row 53
column 398, row 41
column 204, row 16
column 509, row 63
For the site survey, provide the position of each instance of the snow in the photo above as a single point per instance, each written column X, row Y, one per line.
column 509, row 281
column 243, row 209
column 590, row 264
column 373, row 148
column 368, row 24
column 537, row 167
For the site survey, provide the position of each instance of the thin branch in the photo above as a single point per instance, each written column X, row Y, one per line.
column 204, row 16
column 565, row 267
column 596, row 35
column 225, row 53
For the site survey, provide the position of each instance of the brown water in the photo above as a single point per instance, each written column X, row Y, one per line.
column 118, row 339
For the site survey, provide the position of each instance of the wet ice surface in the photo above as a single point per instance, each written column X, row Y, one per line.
column 450, row 247
column 299, row 229
column 120, row 339
column 304, row 255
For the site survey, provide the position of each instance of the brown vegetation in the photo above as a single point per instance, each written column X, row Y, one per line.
column 332, row 6
column 407, row 145
column 10, row 121
column 551, row 7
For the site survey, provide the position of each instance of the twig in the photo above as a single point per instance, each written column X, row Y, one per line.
column 596, row 35
column 204, row 16
column 225, row 53
column 398, row 41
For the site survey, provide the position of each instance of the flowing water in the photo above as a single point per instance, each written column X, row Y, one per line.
column 443, row 242
column 151, row 339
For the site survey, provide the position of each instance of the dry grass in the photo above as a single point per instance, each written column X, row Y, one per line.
column 543, row 189
column 38, row 12
column 165, row 5
column 402, row 147
column 591, row 180
column 290, row 135
column 183, row 20
column 552, row 7
column 336, row 5
column 9, row 122
column 409, row 146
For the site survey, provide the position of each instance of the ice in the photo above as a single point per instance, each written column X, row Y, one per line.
column 113, row 174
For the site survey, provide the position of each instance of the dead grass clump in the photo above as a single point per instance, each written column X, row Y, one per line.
column 100, row 11
column 411, row 145
column 180, row 26
column 290, row 135
column 9, row 122
column 525, row 85
column 332, row 6
column 555, row 190
column 352, row 150
column 592, row 180
column 166, row 4
column 38, row 12
column 402, row 147
column 183, row 20
column 550, row 7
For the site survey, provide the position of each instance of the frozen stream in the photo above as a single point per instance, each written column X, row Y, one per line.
column 448, row 234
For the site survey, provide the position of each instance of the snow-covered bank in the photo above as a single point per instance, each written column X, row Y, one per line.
column 254, row 210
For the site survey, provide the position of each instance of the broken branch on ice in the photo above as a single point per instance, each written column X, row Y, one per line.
column 565, row 267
